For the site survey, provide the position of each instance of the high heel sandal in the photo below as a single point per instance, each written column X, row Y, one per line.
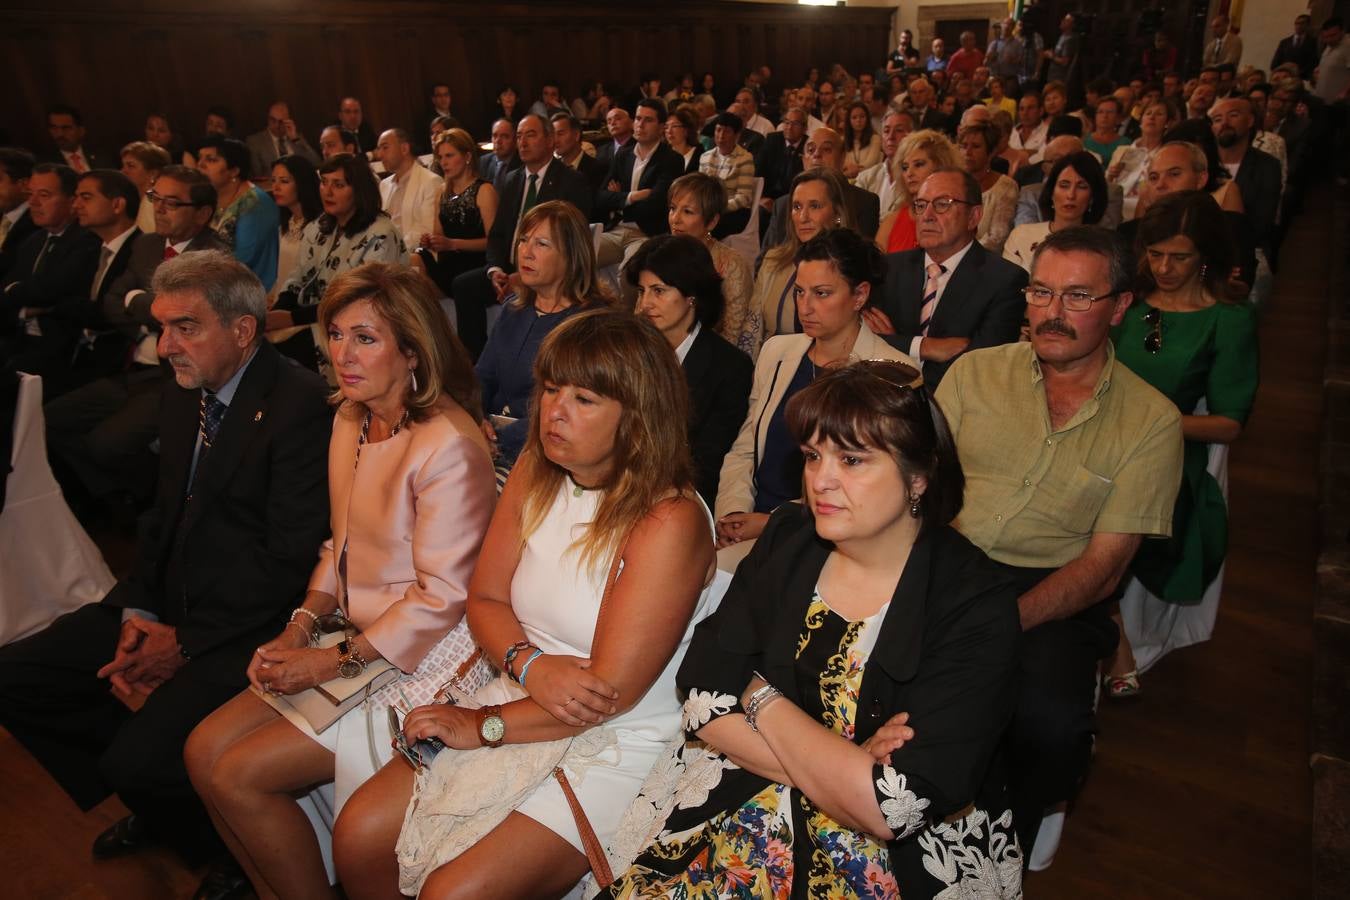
column 1122, row 687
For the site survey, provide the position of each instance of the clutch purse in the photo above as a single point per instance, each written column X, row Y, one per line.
column 324, row 704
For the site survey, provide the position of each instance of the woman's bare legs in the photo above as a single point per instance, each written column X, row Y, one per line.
column 367, row 830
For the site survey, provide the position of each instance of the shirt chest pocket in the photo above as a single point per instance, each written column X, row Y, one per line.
column 1075, row 500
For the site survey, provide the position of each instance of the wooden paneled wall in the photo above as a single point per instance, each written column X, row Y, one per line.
column 120, row 59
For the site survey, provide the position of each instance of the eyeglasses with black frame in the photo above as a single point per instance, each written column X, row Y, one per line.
column 168, row 202
column 941, row 205
column 1073, row 300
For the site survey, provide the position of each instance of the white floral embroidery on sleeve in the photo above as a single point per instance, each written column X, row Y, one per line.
column 904, row 809
column 701, row 705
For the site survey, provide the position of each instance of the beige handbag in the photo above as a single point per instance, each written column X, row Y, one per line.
column 324, row 704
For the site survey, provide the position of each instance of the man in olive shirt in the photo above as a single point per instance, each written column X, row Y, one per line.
column 1070, row 460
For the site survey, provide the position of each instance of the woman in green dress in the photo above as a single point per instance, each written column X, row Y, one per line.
column 1187, row 340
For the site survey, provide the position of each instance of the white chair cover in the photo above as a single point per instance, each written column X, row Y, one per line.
column 746, row 242
column 52, row 566
column 1156, row 627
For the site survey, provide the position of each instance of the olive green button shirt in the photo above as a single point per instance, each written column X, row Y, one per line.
column 1035, row 496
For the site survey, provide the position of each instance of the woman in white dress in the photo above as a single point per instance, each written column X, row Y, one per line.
column 1129, row 164
column 606, row 471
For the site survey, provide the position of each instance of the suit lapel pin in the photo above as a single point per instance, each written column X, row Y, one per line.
column 257, row 416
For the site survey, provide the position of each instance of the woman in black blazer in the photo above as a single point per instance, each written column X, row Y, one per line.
column 680, row 292
column 845, row 702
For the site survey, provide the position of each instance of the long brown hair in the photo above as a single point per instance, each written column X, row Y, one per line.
column 408, row 302
column 623, row 357
column 572, row 235
column 783, row 253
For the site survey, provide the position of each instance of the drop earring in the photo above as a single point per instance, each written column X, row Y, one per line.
column 1203, row 269
column 412, row 375
column 914, row 505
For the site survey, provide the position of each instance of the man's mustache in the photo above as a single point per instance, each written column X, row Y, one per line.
column 1057, row 326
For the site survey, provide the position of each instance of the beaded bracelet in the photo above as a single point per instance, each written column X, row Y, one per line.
column 757, row 703
column 525, row 669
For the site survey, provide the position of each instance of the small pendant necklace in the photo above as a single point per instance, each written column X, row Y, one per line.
column 364, row 437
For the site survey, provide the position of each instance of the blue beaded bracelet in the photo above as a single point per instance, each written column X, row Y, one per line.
column 525, row 669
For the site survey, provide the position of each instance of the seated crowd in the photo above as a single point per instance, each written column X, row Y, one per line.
column 682, row 503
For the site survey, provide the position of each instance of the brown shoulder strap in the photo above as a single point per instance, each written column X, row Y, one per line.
column 595, row 853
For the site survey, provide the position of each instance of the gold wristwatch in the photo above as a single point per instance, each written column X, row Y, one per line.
column 350, row 663
column 491, row 726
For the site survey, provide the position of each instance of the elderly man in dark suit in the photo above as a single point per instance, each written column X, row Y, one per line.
column 541, row 176
column 825, row 148
column 99, row 435
column 226, row 551
column 949, row 295
column 280, row 138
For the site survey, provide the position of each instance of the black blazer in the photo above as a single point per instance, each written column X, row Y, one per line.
column 748, row 138
column 492, row 169
column 1258, row 178
column 983, row 301
column 719, row 378
column 778, row 164
column 946, row 654
column 932, row 118
column 67, row 271
column 225, row 569
column 561, row 182
column 593, row 170
column 607, row 150
column 18, row 232
column 650, row 214
column 1306, row 55
column 80, row 310
column 864, row 205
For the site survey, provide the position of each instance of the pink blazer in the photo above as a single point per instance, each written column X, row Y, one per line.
column 413, row 518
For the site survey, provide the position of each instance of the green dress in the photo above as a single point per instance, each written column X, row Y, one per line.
column 1208, row 354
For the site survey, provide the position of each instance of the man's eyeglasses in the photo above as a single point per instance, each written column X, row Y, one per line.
column 1074, row 301
column 941, row 206
column 167, row 202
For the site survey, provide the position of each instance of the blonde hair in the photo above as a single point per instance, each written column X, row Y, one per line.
column 408, row 302
column 572, row 237
column 152, row 157
column 785, row 250
column 461, row 140
column 936, row 145
column 623, row 357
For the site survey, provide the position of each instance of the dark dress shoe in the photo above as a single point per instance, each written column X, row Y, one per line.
column 224, row 881
column 126, row 836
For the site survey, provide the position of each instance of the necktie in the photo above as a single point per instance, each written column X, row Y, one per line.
column 47, row 245
column 104, row 258
column 531, row 194
column 209, row 416
column 169, row 252
column 78, row 164
column 5, row 226
column 930, row 296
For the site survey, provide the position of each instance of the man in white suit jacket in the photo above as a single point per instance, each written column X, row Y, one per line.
column 411, row 193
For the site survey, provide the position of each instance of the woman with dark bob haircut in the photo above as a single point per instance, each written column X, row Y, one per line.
column 1187, row 340
column 352, row 231
column 1074, row 194
column 846, row 699
column 680, row 292
column 245, row 217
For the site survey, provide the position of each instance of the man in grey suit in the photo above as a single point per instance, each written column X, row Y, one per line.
column 280, row 138
column 949, row 295
column 100, row 435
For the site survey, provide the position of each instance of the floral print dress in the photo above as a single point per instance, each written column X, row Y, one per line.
column 750, row 837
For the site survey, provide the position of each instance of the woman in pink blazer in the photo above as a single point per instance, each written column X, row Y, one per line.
column 411, row 486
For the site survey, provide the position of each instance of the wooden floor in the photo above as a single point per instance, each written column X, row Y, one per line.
column 1199, row 790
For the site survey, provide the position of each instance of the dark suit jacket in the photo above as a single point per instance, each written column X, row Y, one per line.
column 932, row 118
column 22, row 228
column 67, row 271
column 493, row 169
column 53, row 155
column 946, row 652
column 1258, row 178
column 606, row 151
column 1306, row 56
column 982, row 301
column 147, row 253
column 719, row 378
column 594, row 171
column 864, row 205
column 650, row 214
column 748, row 138
column 560, row 183
column 225, row 568
column 778, row 164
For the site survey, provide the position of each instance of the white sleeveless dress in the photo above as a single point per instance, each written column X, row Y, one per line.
column 557, row 603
